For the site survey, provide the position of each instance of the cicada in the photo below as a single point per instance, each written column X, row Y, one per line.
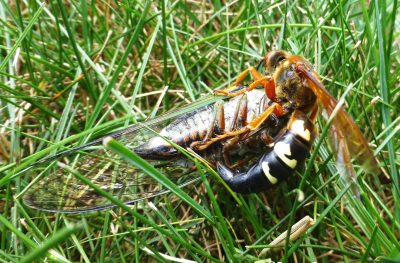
column 154, row 140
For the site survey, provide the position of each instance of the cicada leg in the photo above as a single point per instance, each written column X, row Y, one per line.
column 239, row 121
column 266, row 138
column 251, row 126
column 259, row 80
column 217, row 123
column 240, row 116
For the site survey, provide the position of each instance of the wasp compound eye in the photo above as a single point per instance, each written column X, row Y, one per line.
column 273, row 59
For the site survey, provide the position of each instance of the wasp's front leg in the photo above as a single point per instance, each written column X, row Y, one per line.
column 259, row 80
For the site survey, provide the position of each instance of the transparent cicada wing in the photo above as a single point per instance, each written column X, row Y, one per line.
column 61, row 191
column 58, row 190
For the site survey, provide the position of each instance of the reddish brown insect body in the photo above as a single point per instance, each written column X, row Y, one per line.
column 295, row 90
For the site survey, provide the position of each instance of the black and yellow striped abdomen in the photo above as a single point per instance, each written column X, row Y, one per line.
column 280, row 161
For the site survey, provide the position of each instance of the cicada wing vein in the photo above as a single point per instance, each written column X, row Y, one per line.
column 61, row 191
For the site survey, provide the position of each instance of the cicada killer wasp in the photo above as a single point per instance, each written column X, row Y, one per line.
column 295, row 88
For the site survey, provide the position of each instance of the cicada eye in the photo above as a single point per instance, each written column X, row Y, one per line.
column 273, row 59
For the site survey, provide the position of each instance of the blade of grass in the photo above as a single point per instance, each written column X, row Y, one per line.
column 22, row 37
column 120, row 149
column 105, row 93
column 51, row 242
column 138, row 162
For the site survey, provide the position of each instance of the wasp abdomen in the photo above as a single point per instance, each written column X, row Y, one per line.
column 278, row 163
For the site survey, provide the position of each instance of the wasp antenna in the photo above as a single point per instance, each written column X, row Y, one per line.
column 259, row 64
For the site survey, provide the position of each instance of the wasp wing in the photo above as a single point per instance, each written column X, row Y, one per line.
column 61, row 191
column 346, row 137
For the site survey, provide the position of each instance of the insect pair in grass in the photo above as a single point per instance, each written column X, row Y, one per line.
column 255, row 137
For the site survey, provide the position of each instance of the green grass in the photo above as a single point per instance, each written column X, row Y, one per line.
column 71, row 72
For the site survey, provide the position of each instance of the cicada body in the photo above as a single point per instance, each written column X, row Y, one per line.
column 192, row 128
column 154, row 140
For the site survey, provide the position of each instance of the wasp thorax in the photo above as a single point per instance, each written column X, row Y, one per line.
column 291, row 89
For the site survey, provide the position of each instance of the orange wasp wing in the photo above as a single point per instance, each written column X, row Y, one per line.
column 346, row 137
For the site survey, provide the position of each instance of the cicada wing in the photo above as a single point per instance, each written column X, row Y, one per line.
column 60, row 191
column 346, row 137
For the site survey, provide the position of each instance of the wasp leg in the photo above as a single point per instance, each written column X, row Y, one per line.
column 314, row 114
column 251, row 126
column 267, row 82
column 259, row 80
